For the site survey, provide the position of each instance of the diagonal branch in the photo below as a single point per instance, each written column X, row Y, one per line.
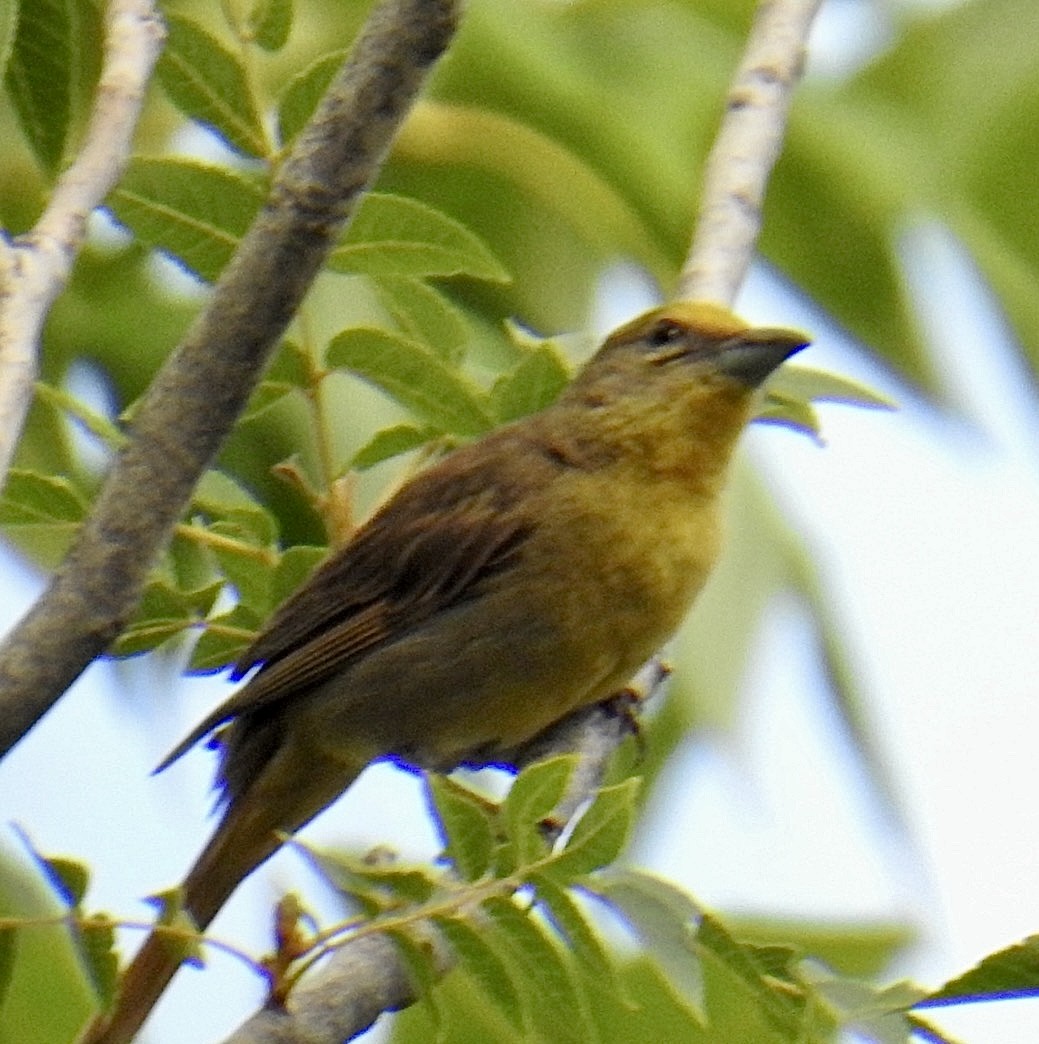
column 194, row 400
column 34, row 268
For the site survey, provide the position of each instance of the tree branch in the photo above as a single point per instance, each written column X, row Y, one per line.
column 361, row 981
column 194, row 400
column 35, row 267
column 745, row 152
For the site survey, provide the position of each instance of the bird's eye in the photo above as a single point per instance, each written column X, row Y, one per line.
column 664, row 333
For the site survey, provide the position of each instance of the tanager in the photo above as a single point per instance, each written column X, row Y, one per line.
column 522, row 577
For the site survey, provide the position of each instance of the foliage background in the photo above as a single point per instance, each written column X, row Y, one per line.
column 567, row 137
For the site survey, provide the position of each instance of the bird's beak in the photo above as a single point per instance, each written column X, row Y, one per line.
column 751, row 356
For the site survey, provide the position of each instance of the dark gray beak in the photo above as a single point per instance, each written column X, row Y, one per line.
column 751, row 356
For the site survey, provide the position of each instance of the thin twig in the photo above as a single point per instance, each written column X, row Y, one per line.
column 194, row 400
column 35, row 267
column 744, row 152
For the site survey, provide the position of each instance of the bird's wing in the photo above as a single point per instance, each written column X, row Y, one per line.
column 434, row 545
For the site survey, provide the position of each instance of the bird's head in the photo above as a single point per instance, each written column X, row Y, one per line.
column 697, row 340
column 677, row 382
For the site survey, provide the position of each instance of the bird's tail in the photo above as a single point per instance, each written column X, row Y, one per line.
column 247, row 835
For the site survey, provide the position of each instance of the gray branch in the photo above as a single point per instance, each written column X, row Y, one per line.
column 34, row 267
column 745, row 151
column 194, row 400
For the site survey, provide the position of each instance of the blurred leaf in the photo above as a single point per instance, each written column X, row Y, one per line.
column 417, row 956
column 664, row 918
column 44, row 510
column 208, row 84
column 38, row 76
column 270, row 22
column 547, row 974
column 533, row 796
column 569, row 920
column 1013, row 972
column 224, row 639
column 534, row 383
column 852, row 948
column 195, row 212
column 96, row 939
column 390, row 442
column 812, row 385
column 97, row 424
column 480, row 960
column 164, row 612
column 294, row 566
column 395, row 236
column 601, row 832
column 8, row 28
column 761, row 969
column 378, row 882
column 45, row 995
column 414, row 376
column 425, row 315
column 465, row 826
column 303, row 92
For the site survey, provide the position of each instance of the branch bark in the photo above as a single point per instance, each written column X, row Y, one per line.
column 194, row 400
column 35, row 267
column 745, row 151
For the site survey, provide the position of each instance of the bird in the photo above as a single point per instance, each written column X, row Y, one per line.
column 521, row 577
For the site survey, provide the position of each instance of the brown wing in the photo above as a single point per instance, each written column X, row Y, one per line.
column 432, row 546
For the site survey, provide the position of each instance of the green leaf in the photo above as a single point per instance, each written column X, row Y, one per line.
column 68, row 878
column 481, row 962
column 44, row 510
column 294, row 566
column 218, row 495
column 418, row 957
column 425, row 315
column 414, row 376
column 289, row 372
column 224, row 639
column 397, row 236
column 569, row 920
column 303, row 92
column 601, row 833
column 757, row 968
column 45, row 993
column 534, row 383
column 663, row 917
column 164, row 612
column 465, row 826
column 547, row 973
column 1012, row 972
column 270, row 22
column 247, row 573
column 208, row 84
column 379, row 883
column 8, row 29
column 390, row 442
column 97, row 424
column 38, row 77
column 811, row 385
column 533, row 796
column 195, row 212
column 30, row 499
column 95, row 940
column 853, row 948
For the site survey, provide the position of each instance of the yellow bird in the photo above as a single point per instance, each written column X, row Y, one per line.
column 520, row 578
